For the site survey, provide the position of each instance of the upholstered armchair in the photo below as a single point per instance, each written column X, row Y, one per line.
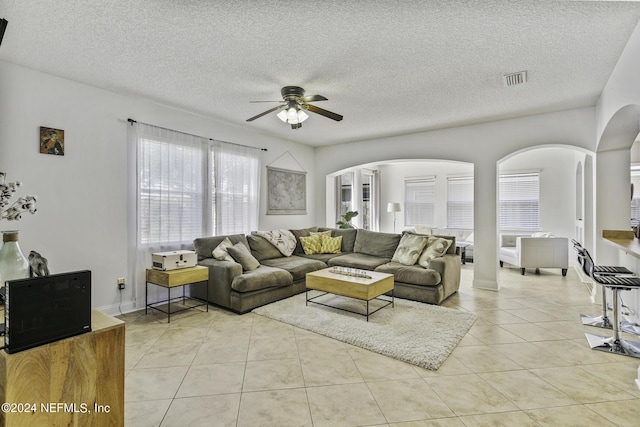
column 525, row 251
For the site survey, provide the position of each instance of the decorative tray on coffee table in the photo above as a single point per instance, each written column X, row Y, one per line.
column 353, row 272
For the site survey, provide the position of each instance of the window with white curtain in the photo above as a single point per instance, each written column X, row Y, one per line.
column 519, row 197
column 172, row 185
column 190, row 187
column 460, row 202
column 419, row 201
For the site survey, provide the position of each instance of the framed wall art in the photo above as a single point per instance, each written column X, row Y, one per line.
column 51, row 141
column 287, row 192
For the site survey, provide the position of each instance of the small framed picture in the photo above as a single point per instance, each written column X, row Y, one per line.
column 51, row 141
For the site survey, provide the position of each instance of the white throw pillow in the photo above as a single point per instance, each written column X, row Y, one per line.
column 284, row 240
column 221, row 253
column 541, row 235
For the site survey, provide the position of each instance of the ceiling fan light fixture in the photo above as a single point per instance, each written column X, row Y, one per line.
column 293, row 115
column 302, row 116
column 293, row 109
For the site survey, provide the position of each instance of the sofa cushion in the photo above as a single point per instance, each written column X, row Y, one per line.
column 409, row 249
column 261, row 278
column 296, row 265
column 348, row 237
column 242, row 256
column 261, row 248
column 304, row 232
column 321, row 257
column 412, row 274
column 221, row 253
column 436, row 247
column 358, row 260
column 204, row 246
column 375, row 243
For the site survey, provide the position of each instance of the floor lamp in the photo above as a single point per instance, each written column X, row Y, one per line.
column 393, row 207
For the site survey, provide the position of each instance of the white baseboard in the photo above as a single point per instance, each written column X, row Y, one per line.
column 489, row 285
column 117, row 309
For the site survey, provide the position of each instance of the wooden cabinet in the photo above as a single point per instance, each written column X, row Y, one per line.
column 77, row 381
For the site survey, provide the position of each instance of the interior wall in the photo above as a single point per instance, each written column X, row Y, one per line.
column 557, row 186
column 82, row 196
column 392, row 178
column 482, row 145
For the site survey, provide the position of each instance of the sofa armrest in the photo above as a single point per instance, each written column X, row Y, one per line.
column 221, row 275
column 449, row 268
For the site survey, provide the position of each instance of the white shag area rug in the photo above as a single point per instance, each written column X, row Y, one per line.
column 414, row 332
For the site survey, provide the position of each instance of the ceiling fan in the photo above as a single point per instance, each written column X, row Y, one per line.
column 293, row 105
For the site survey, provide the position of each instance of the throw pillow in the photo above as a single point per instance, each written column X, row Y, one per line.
column 541, row 234
column 321, row 234
column 311, row 244
column 242, row 256
column 436, row 247
column 220, row 252
column 331, row 245
column 284, row 240
column 302, row 233
column 409, row 249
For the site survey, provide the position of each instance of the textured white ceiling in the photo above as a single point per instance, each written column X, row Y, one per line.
column 389, row 67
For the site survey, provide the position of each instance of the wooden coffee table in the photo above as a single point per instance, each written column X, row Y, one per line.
column 362, row 288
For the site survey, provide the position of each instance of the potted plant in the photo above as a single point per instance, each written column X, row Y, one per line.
column 346, row 220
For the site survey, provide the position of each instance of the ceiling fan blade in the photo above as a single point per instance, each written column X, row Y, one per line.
column 322, row 112
column 314, row 98
column 279, row 107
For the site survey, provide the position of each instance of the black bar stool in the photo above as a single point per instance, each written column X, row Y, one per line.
column 588, row 266
column 614, row 344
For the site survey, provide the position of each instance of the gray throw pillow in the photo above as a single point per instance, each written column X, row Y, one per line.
column 409, row 249
column 242, row 256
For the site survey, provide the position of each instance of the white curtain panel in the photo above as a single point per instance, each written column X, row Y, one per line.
column 375, row 201
column 235, row 189
column 186, row 187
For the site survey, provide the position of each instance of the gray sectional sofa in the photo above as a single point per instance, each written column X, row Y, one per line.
column 279, row 276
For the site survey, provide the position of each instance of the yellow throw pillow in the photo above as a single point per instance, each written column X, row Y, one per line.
column 312, row 244
column 331, row 245
column 321, row 234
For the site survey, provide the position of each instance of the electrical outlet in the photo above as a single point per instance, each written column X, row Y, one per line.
column 121, row 283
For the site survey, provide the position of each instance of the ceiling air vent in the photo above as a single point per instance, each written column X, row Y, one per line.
column 513, row 79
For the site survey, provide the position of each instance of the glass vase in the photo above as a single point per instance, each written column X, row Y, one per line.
column 13, row 263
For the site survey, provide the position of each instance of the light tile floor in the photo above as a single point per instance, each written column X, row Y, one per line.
column 525, row 362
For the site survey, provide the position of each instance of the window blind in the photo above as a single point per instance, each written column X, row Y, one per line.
column 460, row 202
column 519, row 196
column 189, row 187
column 170, row 187
column 419, row 201
column 635, row 200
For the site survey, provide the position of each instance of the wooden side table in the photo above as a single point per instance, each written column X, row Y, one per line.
column 463, row 250
column 172, row 279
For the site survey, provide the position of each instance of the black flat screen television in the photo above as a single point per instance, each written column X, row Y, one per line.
column 40, row 310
